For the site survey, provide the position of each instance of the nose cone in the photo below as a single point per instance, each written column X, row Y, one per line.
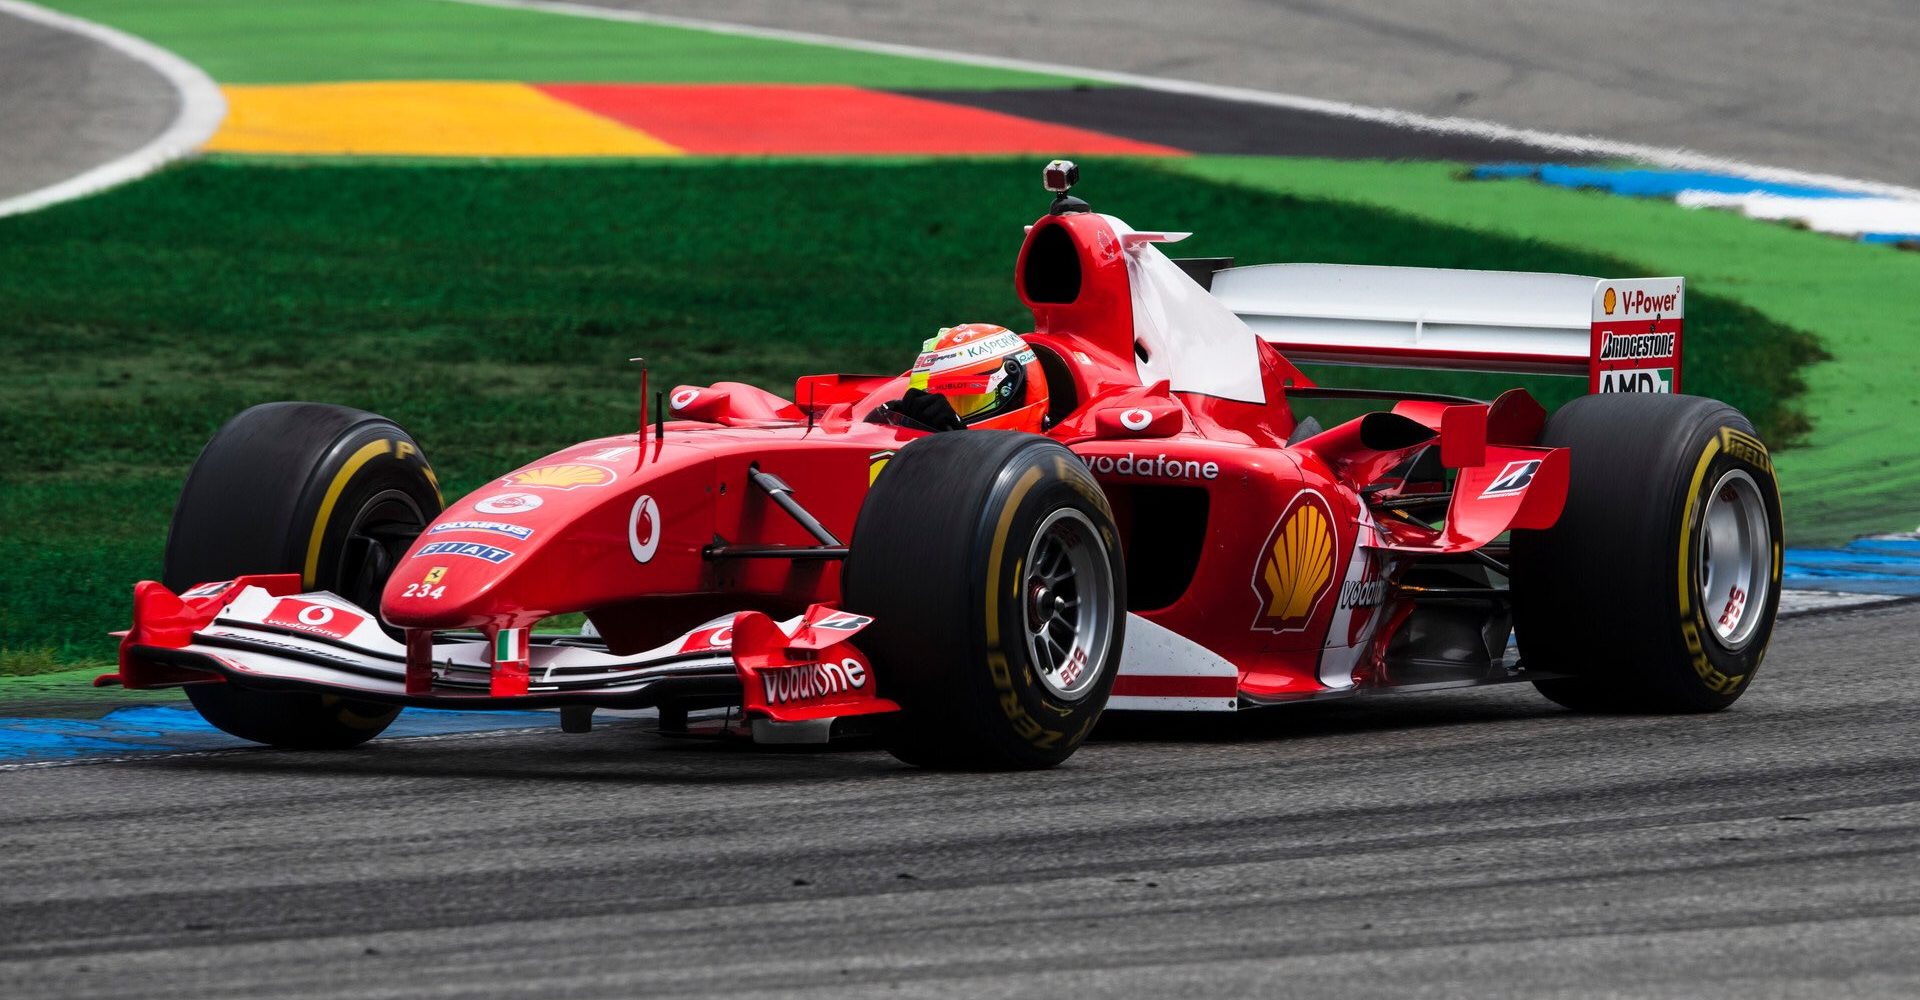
column 444, row 581
column 577, row 529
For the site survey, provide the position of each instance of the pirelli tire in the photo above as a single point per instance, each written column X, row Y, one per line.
column 333, row 494
column 1657, row 589
column 990, row 564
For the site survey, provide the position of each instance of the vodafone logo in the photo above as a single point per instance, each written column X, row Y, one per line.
column 1154, row 467
column 508, row 503
column 316, row 619
column 643, row 529
column 1135, row 419
column 810, row 681
column 684, row 397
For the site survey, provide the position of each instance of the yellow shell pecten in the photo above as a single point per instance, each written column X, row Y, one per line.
column 561, row 476
column 1300, row 565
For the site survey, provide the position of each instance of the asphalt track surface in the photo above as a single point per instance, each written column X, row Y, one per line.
column 1469, row 844
column 1823, row 87
column 1826, row 87
column 69, row 103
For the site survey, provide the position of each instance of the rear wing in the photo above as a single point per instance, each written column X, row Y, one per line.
column 1622, row 334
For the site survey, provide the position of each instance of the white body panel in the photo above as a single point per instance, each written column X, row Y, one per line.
column 1192, row 341
column 1154, row 651
column 1428, row 317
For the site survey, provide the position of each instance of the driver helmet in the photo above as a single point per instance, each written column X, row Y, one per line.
column 988, row 374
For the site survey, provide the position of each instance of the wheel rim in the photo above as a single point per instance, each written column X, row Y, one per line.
column 1068, row 604
column 1736, row 560
column 378, row 536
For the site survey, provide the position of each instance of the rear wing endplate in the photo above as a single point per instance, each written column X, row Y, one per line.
column 1622, row 334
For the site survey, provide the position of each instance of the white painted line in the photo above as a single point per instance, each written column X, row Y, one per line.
column 1680, row 159
column 1842, row 216
column 201, row 110
column 1801, row 602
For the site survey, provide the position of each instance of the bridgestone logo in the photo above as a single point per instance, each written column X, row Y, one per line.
column 1619, row 347
column 808, row 681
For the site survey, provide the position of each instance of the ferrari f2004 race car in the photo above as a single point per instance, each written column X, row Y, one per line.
column 1174, row 531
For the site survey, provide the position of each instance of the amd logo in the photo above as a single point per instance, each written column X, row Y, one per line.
column 1637, row 380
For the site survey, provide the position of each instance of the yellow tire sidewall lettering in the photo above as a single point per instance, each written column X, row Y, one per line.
column 367, row 453
column 1693, row 620
column 999, row 668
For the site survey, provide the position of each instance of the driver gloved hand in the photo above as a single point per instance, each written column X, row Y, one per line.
column 928, row 409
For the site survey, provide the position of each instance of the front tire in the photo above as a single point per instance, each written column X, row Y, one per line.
column 1657, row 589
column 333, row 494
column 990, row 564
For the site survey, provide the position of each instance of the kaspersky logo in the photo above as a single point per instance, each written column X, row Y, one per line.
column 1295, row 571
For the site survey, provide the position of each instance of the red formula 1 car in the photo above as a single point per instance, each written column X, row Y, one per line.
column 1184, row 536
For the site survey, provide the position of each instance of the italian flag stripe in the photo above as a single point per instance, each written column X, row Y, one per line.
column 510, row 645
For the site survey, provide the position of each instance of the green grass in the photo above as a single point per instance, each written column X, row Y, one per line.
column 70, row 693
column 296, row 41
column 490, row 311
column 1857, row 471
column 1853, row 477
column 34, row 662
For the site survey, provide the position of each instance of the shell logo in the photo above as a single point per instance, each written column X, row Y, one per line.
column 1609, row 300
column 1296, row 565
column 570, row 476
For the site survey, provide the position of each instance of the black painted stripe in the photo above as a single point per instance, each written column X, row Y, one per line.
column 1213, row 125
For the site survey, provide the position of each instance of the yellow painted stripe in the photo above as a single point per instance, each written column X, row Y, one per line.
column 340, row 479
column 410, row 118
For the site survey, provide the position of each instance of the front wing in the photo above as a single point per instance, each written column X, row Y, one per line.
column 257, row 632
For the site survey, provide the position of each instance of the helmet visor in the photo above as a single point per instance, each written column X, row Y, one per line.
column 973, row 405
column 984, row 394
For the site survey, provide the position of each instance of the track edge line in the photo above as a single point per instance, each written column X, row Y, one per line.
column 202, row 109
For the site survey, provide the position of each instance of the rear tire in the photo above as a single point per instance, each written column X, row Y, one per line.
column 992, row 569
column 1657, row 589
column 331, row 493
